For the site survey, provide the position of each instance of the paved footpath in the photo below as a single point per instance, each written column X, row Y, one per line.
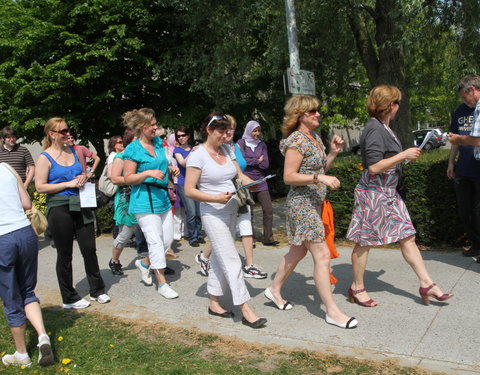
column 442, row 336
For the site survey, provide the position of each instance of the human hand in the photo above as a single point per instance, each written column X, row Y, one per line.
column 260, row 159
column 223, row 197
column 331, row 181
column 175, row 171
column 455, row 139
column 411, row 153
column 156, row 173
column 450, row 171
column 336, row 145
column 81, row 179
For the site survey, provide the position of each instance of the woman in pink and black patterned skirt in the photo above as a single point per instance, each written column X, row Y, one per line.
column 380, row 216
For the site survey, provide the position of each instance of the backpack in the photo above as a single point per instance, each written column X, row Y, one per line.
column 105, row 185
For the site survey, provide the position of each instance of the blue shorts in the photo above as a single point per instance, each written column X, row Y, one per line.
column 18, row 273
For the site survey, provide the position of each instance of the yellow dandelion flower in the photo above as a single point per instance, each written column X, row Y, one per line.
column 66, row 361
column 112, row 346
column 35, row 371
column 23, row 367
column 60, row 338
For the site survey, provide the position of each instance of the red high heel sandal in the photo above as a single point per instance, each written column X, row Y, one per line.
column 425, row 295
column 352, row 298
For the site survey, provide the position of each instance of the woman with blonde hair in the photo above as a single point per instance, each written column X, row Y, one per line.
column 59, row 174
column 306, row 165
column 379, row 215
column 146, row 169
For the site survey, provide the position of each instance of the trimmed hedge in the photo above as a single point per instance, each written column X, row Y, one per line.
column 431, row 199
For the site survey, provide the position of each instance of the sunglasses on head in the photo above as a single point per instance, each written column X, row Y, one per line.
column 216, row 118
column 63, row 131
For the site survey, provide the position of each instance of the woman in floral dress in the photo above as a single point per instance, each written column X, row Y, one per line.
column 305, row 166
column 379, row 215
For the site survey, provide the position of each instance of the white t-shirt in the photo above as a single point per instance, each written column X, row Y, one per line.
column 215, row 178
column 110, row 158
column 12, row 217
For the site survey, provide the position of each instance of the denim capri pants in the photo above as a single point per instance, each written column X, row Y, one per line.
column 18, row 273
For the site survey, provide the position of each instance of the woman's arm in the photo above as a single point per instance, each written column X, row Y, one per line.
column 191, row 179
column 263, row 162
column 180, row 159
column 115, row 172
column 134, row 178
column 336, row 147
column 293, row 161
column 96, row 161
column 41, row 178
column 411, row 153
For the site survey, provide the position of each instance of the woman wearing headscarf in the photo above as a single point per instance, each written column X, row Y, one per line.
column 255, row 152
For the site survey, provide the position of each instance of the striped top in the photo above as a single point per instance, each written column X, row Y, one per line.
column 19, row 159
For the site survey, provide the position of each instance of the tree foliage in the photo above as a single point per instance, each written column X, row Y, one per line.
column 91, row 60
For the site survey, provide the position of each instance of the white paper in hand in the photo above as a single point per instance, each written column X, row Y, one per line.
column 88, row 198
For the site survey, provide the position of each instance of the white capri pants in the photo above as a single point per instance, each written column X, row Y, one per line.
column 158, row 232
column 244, row 223
column 225, row 264
column 126, row 232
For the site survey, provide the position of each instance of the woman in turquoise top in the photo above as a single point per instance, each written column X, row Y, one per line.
column 146, row 169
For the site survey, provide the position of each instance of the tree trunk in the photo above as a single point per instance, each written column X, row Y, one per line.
column 384, row 61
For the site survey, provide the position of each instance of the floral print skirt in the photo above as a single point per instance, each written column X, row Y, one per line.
column 304, row 219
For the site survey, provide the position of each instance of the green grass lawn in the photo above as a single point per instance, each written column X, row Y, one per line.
column 91, row 343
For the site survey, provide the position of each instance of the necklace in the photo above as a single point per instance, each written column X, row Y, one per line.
column 214, row 153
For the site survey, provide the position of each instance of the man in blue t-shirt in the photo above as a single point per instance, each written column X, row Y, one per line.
column 465, row 173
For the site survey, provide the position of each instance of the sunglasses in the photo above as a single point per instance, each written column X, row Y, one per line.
column 216, row 118
column 163, row 136
column 182, row 135
column 313, row 112
column 119, row 142
column 397, row 102
column 62, row 132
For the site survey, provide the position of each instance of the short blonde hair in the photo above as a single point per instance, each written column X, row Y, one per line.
column 380, row 99
column 296, row 107
column 138, row 118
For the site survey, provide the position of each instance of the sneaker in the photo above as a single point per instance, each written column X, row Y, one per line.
column 116, row 268
column 102, row 298
column 146, row 277
column 12, row 360
column 80, row 304
column 204, row 263
column 45, row 354
column 201, row 241
column 255, row 272
column 194, row 244
column 166, row 291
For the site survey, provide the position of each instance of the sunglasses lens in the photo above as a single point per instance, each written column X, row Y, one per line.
column 64, row 131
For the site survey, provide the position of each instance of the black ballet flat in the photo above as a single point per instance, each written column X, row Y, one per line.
column 259, row 323
column 226, row 314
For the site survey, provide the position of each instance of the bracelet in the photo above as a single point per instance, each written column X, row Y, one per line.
column 315, row 178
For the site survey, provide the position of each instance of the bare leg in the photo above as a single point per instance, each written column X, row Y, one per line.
column 248, row 313
column 207, row 251
column 116, row 254
column 215, row 304
column 359, row 264
column 34, row 315
column 284, row 270
column 412, row 255
column 18, row 334
column 247, row 242
column 160, row 275
column 321, row 275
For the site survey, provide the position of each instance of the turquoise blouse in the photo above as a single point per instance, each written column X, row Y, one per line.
column 140, row 198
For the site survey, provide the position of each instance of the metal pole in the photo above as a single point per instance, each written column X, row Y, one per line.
column 292, row 36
